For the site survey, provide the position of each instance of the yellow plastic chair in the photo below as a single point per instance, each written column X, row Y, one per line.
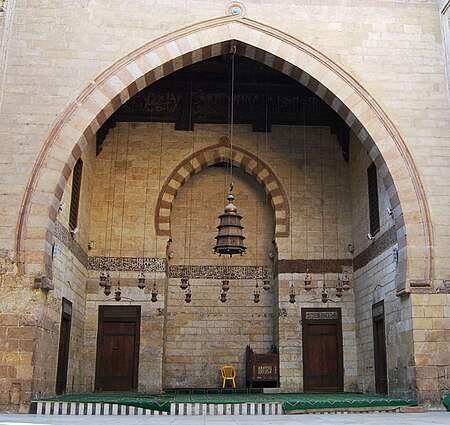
column 228, row 374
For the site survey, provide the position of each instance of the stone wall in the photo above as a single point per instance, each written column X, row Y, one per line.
column 69, row 281
column 18, row 331
column 382, row 46
column 374, row 279
column 431, row 324
column 50, row 52
column 201, row 336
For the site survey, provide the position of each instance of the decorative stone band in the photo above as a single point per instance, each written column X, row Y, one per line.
column 64, row 236
column 178, row 271
column 220, row 272
column 313, row 266
column 321, row 315
column 381, row 244
column 128, row 264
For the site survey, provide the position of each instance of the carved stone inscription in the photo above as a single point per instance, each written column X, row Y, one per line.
column 321, row 315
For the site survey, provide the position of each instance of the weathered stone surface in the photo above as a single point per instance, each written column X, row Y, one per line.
column 393, row 49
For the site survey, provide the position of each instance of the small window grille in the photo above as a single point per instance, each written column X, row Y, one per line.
column 374, row 215
column 76, row 191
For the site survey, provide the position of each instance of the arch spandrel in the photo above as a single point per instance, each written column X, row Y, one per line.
column 92, row 107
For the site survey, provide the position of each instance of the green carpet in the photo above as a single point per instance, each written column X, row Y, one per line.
column 291, row 401
column 447, row 401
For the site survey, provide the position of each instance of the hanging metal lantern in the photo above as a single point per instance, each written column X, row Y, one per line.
column 225, row 285
column 118, row 296
column 345, row 282
column 307, row 281
column 339, row 288
column 154, row 293
column 188, row 295
column 104, row 278
column 292, row 293
column 107, row 290
column 184, row 283
column 256, row 295
column 324, row 294
column 230, row 239
column 141, row 280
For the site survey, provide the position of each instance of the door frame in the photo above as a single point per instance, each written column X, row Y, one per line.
column 123, row 314
column 324, row 316
column 379, row 363
column 63, row 350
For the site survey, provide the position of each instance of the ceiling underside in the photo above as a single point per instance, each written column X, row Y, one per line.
column 201, row 94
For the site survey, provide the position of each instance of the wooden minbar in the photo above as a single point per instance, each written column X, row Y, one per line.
column 262, row 369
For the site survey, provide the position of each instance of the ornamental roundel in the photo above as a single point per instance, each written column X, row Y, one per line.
column 236, row 9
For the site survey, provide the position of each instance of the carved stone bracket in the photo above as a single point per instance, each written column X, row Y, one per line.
column 44, row 283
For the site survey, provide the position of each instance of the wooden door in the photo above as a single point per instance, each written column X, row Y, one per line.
column 118, row 348
column 63, row 349
column 322, row 349
column 379, row 345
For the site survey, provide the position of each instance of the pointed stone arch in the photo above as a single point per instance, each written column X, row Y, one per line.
column 241, row 158
column 91, row 108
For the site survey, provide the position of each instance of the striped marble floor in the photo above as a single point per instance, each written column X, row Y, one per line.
column 189, row 409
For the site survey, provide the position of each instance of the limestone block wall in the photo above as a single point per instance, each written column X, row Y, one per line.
column 69, row 280
column 444, row 6
column 374, row 280
column 431, row 322
column 290, row 328
column 31, row 317
column 155, row 149
column 195, row 335
column 382, row 46
column 50, row 52
column 18, row 331
column 153, row 317
column 206, row 334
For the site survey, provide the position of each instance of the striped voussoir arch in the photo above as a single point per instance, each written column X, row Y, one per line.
column 241, row 158
column 79, row 122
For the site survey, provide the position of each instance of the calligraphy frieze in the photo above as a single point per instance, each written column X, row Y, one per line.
column 127, row 264
column 321, row 315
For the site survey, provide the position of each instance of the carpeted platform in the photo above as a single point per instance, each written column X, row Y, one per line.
column 447, row 401
column 290, row 401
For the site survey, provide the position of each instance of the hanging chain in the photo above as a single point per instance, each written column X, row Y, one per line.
column 233, row 54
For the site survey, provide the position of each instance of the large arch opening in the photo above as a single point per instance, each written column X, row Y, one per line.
column 83, row 118
column 91, row 110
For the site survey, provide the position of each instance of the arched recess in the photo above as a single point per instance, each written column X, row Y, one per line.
column 89, row 110
column 212, row 155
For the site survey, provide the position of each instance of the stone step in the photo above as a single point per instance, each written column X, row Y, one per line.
column 187, row 409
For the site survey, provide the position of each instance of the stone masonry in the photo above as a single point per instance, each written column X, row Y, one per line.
column 65, row 67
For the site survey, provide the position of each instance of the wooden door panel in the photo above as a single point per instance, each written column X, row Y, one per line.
column 379, row 344
column 63, row 348
column 117, row 349
column 322, row 350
